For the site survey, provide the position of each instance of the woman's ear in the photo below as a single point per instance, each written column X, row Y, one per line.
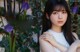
column 47, row 16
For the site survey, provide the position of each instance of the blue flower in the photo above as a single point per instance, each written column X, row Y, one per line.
column 8, row 28
column 75, row 9
column 25, row 6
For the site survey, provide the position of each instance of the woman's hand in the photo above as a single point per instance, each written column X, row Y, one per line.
column 45, row 45
column 48, row 37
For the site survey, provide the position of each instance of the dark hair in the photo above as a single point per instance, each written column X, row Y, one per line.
column 46, row 23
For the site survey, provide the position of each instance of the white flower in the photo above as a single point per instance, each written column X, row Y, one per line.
column 3, row 21
column 1, row 36
column 29, row 11
column 2, row 49
column 35, row 37
column 32, row 26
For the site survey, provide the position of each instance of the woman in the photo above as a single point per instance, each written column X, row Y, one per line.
column 57, row 35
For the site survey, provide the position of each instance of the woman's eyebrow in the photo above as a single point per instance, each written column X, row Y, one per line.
column 60, row 10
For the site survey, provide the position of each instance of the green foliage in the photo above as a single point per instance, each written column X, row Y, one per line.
column 1, row 11
column 24, row 27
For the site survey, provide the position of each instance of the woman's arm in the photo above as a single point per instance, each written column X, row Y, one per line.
column 45, row 46
column 78, row 49
column 75, row 47
column 47, row 37
column 75, row 35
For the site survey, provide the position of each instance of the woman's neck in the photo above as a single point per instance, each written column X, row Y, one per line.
column 56, row 28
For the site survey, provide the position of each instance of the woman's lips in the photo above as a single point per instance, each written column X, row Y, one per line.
column 60, row 21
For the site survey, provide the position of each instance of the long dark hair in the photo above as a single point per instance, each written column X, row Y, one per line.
column 46, row 23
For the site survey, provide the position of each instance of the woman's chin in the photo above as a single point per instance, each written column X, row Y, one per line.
column 60, row 25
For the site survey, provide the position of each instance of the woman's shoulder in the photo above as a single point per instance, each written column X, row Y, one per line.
column 40, row 37
column 75, row 35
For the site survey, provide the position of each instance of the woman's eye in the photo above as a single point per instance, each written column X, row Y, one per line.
column 54, row 12
column 64, row 12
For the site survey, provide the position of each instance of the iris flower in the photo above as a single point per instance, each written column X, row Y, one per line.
column 8, row 28
column 74, row 9
column 25, row 6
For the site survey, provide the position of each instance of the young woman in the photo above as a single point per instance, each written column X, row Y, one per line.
column 56, row 32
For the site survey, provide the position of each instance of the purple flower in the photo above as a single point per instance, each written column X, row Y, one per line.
column 8, row 28
column 75, row 9
column 25, row 6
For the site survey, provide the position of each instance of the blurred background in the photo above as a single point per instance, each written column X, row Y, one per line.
column 20, row 23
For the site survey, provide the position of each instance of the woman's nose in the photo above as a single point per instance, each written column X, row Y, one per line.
column 59, row 15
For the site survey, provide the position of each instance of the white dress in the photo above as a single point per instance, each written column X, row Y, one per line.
column 59, row 37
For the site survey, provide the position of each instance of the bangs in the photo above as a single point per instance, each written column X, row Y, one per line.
column 59, row 8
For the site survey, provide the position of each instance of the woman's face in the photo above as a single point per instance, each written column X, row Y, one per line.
column 59, row 16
